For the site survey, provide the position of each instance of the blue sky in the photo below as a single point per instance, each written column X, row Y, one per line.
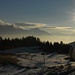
column 38, row 11
column 54, row 16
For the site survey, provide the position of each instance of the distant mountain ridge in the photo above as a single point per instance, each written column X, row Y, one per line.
column 10, row 29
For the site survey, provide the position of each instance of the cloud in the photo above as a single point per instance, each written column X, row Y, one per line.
column 4, row 23
column 49, row 27
column 28, row 25
column 57, row 28
column 24, row 24
column 63, row 28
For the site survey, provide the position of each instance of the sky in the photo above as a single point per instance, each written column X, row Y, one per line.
column 54, row 16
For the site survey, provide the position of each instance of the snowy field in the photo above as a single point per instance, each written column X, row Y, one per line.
column 31, row 62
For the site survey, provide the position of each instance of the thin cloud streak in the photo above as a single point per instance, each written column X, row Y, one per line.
column 4, row 23
column 58, row 30
column 28, row 25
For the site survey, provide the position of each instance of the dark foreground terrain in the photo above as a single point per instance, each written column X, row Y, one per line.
column 59, row 70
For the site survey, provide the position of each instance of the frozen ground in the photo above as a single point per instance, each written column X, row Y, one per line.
column 31, row 63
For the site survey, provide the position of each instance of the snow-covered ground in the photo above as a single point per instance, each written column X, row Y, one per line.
column 32, row 62
column 34, row 49
column 38, row 60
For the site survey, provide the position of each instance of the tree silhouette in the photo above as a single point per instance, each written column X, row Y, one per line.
column 47, row 46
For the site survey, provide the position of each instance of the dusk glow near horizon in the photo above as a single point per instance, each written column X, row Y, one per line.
column 56, row 17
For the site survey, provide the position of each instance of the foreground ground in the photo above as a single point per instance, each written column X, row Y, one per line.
column 33, row 63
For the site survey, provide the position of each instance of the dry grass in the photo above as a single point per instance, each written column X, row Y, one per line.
column 8, row 58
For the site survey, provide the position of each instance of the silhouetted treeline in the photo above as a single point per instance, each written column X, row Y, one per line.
column 48, row 47
column 62, row 48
